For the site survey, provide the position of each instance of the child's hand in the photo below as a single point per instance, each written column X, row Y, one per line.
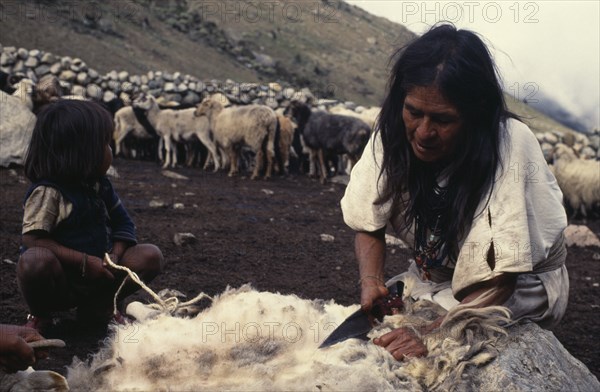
column 97, row 269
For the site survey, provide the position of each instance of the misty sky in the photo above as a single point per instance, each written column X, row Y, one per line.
column 553, row 46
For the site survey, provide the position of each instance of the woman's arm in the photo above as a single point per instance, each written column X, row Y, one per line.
column 370, row 253
column 403, row 342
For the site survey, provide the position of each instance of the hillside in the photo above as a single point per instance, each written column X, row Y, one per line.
column 337, row 50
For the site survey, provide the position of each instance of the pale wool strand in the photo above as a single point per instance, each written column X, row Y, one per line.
column 47, row 343
column 169, row 304
column 133, row 277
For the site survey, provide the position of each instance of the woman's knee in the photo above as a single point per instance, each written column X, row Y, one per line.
column 37, row 262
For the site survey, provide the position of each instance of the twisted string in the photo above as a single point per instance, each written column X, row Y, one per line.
column 169, row 305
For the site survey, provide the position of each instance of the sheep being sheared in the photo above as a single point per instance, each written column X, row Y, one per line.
column 251, row 340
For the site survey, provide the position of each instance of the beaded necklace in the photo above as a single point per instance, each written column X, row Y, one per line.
column 430, row 230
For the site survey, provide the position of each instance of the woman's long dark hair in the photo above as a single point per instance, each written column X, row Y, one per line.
column 458, row 64
column 68, row 142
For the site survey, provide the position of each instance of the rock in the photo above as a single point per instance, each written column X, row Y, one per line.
column 93, row 74
column 82, row 78
column 127, row 87
column 157, row 204
column 135, row 79
column 114, row 85
column 108, row 96
column 94, row 91
column 181, row 239
column 276, row 87
column 22, row 53
column 550, row 138
column 170, row 87
column 7, row 59
column 78, row 65
column 191, row 98
column 123, row 76
column 67, row 75
column 182, row 88
column 65, row 62
column 32, row 62
column 532, row 359
column 113, row 75
column 48, row 58
column 78, row 91
column 42, row 70
column 173, row 175
column 16, row 126
column 327, row 238
column 178, row 206
column 580, row 235
column 267, row 192
column 56, row 68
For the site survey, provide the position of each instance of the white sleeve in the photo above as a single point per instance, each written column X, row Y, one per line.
column 523, row 219
column 359, row 205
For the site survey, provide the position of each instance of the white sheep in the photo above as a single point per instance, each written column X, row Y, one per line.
column 126, row 123
column 24, row 91
column 177, row 126
column 234, row 127
column 579, row 179
column 251, row 340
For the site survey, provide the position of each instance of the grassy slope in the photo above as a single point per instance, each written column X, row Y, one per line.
column 331, row 47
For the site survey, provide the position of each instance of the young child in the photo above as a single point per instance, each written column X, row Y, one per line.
column 72, row 217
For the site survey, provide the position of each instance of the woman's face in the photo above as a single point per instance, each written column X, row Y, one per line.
column 432, row 123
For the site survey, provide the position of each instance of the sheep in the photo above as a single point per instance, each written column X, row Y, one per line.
column 329, row 133
column 5, row 83
column 252, row 125
column 177, row 125
column 131, row 121
column 579, row 180
column 24, row 91
column 368, row 115
column 251, row 340
column 287, row 129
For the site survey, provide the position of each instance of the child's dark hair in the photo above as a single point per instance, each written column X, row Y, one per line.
column 68, row 142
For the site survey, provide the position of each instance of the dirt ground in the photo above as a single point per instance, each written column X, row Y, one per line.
column 266, row 233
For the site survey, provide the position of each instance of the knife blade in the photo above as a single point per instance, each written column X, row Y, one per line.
column 358, row 324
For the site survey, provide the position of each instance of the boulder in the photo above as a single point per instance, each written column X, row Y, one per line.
column 16, row 126
column 580, row 235
column 532, row 359
column 181, row 239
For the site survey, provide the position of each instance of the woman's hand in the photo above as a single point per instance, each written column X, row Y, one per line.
column 402, row 343
column 369, row 292
column 97, row 269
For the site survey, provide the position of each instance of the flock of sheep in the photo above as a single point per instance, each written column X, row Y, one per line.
column 227, row 132
column 231, row 136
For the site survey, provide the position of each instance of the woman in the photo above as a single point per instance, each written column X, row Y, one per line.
column 458, row 176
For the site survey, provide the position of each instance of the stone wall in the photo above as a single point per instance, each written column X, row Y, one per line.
column 77, row 78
